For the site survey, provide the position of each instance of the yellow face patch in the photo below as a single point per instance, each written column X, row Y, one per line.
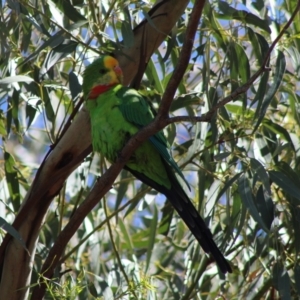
column 110, row 62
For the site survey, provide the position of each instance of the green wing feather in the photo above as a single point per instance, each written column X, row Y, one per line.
column 136, row 110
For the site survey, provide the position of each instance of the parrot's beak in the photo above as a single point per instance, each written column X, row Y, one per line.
column 119, row 73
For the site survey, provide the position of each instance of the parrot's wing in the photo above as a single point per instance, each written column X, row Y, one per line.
column 137, row 111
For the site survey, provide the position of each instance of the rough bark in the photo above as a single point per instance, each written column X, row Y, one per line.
column 74, row 146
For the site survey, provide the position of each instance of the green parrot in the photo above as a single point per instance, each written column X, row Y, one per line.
column 116, row 114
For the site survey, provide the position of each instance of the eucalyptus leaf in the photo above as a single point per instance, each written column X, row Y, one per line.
column 281, row 281
column 279, row 72
column 248, row 200
column 12, row 231
column 285, row 183
column 17, row 78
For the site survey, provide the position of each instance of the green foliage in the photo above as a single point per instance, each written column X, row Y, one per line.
column 243, row 166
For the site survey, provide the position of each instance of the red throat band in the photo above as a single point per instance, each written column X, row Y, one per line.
column 99, row 89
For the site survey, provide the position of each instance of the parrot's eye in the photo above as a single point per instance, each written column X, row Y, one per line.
column 102, row 71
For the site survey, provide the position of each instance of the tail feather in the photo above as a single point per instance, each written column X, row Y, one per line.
column 189, row 215
column 197, row 226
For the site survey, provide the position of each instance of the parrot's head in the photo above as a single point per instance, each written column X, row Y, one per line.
column 100, row 75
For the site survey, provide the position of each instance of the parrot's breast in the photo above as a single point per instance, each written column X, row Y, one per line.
column 110, row 133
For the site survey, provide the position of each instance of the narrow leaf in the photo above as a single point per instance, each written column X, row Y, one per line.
column 255, row 45
column 222, row 156
column 30, row 114
column 151, row 240
column 3, row 131
column 127, row 34
column 243, row 65
column 279, row 72
column 282, row 281
column 261, row 92
column 69, row 10
column 288, row 171
column 152, row 74
column 185, row 101
column 75, row 86
column 295, row 212
column 228, row 184
column 12, row 180
column 126, row 236
column 243, row 16
column 12, row 231
column 276, row 128
column 297, row 277
column 247, row 198
column 258, row 169
column 122, row 189
column 265, row 206
column 285, row 183
column 48, row 105
column 17, row 78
